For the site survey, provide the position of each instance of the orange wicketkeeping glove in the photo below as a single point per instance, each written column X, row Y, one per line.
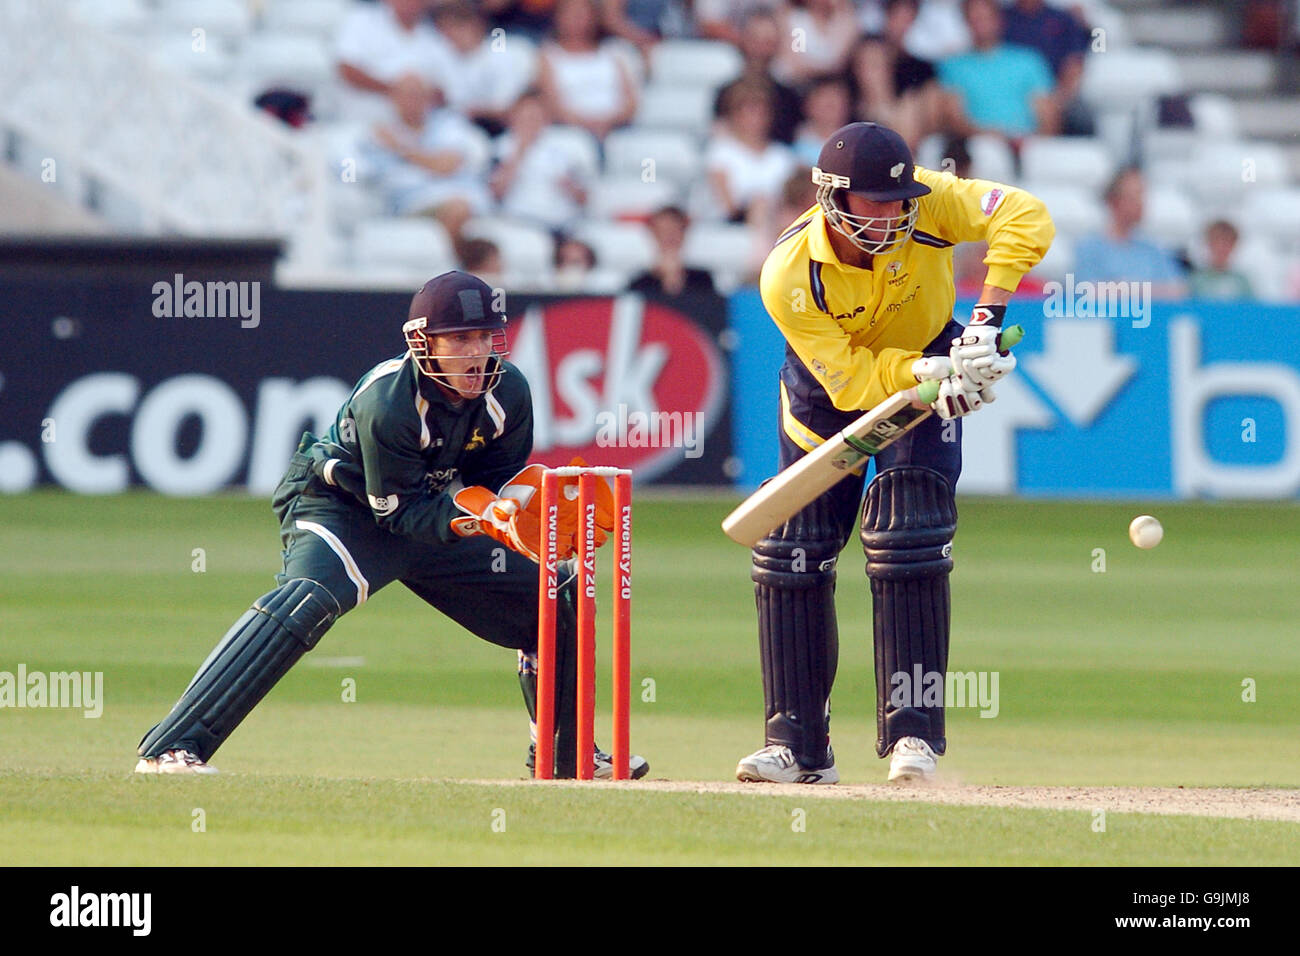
column 514, row 515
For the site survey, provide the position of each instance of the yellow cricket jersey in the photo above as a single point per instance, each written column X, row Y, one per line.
column 859, row 330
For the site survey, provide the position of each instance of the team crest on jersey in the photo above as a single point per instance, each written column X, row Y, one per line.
column 893, row 267
column 384, row 504
column 476, row 440
column 991, row 200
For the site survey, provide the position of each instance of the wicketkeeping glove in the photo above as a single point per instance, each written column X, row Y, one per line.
column 514, row 516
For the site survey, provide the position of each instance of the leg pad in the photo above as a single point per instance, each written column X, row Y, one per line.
column 256, row 652
column 907, row 529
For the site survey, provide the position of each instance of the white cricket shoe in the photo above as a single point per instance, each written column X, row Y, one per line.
column 776, row 764
column 913, row 761
column 173, row 761
column 637, row 766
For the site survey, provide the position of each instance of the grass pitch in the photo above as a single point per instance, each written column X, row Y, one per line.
column 1173, row 667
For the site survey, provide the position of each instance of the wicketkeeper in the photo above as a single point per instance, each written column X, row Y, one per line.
column 861, row 286
column 402, row 490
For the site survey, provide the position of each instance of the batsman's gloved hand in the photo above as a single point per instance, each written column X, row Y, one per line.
column 974, row 354
column 338, row 473
column 957, row 397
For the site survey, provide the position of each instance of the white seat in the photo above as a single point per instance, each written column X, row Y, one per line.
column 275, row 59
column 320, row 18
column 704, row 63
column 1221, row 172
column 114, row 15
column 681, row 107
column 176, row 52
column 634, row 152
column 1075, row 211
column 527, row 251
column 228, row 20
column 389, row 246
column 1129, row 77
column 1264, row 265
column 621, row 198
column 579, row 144
column 1073, row 160
column 1273, row 212
column 991, row 158
column 619, row 246
column 1214, row 115
column 1169, row 216
column 720, row 247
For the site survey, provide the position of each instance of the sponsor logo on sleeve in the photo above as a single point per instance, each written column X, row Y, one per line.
column 991, row 200
column 383, row 505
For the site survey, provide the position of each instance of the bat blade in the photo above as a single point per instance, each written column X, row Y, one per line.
column 782, row 497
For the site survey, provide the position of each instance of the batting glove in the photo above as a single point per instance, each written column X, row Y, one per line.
column 958, row 398
column 974, row 354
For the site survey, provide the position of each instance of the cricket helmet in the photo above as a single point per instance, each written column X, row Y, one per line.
column 455, row 302
column 871, row 161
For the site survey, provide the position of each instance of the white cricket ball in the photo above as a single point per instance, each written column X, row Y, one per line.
column 1145, row 531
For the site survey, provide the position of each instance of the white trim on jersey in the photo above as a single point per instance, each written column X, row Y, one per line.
column 349, row 563
column 422, row 409
column 378, row 372
column 496, row 413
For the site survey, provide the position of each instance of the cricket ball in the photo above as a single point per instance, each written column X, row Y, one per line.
column 1145, row 531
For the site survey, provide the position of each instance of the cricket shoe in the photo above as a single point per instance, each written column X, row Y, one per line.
column 604, row 764
column 775, row 763
column 913, row 761
column 173, row 761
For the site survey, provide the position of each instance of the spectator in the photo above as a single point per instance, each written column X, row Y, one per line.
column 480, row 78
column 819, row 33
column 670, row 276
column 746, row 166
column 760, row 42
column 584, row 80
column 728, row 20
column 644, row 23
column 575, row 264
column 1062, row 38
column 1219, row 280
column 379, row 42
column 890, row 85
column 1121, row 253
column 482, row 258
column 1000, row 88
column 539, row 176
column 431, row 160
column 827, row 108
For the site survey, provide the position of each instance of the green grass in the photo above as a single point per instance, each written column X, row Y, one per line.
column 1132, row 677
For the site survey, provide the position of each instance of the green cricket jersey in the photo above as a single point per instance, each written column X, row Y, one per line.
column 417, row 449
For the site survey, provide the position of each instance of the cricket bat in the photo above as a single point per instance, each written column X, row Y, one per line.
column 812, row 475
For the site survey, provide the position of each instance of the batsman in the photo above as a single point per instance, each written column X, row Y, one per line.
column 861, row 286
column 423, row 479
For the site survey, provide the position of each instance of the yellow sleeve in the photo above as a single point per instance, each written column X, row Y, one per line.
column 854, row 377
column 1015, row 224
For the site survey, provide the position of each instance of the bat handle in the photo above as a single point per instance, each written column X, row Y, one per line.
column 928, row 391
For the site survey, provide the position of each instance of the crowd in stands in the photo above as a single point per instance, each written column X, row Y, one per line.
column 512, row 108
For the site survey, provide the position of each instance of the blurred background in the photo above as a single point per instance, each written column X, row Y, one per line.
column 213, row 213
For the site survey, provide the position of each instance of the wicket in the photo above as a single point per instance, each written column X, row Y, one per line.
column 548, row 594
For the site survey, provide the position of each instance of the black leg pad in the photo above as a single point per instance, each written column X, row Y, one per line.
column 256, row 652
column 794, row 588
column 907, row 529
